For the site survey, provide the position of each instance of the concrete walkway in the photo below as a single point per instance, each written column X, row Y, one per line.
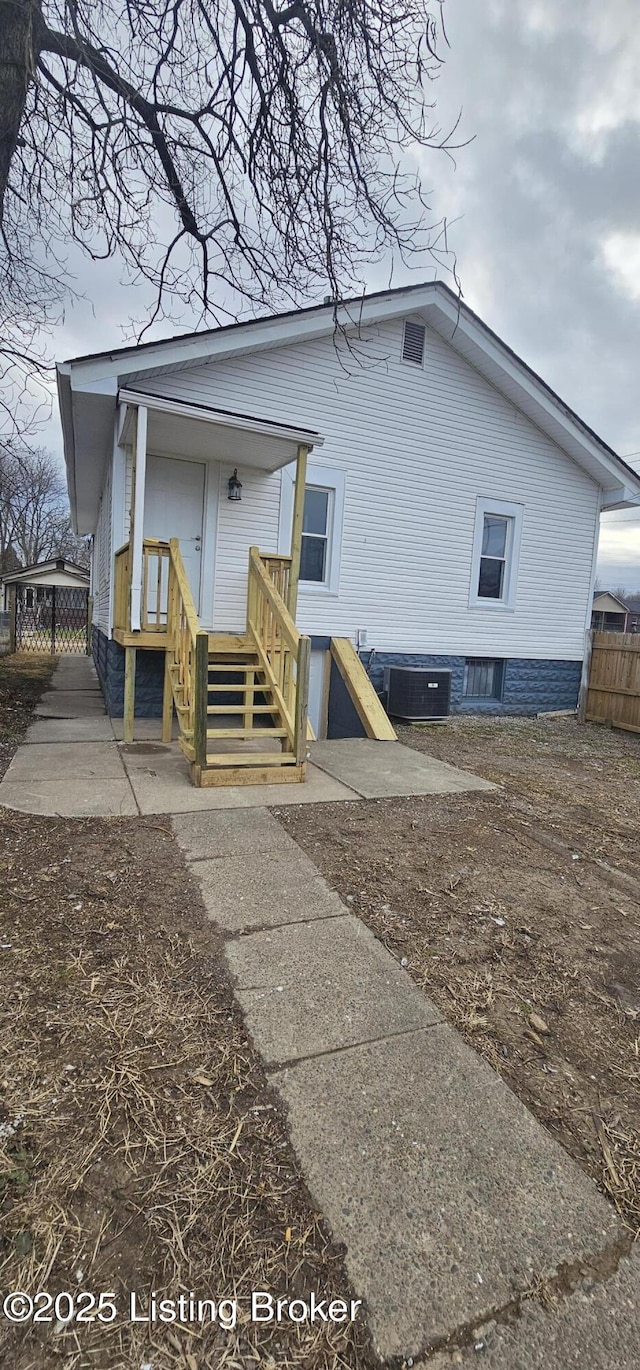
column 452, row 1201
column 74, row 743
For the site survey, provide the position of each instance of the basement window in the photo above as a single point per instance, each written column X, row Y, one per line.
column 413, row 342
column 483, row 678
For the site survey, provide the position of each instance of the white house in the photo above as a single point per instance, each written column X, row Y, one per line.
column 443, row 494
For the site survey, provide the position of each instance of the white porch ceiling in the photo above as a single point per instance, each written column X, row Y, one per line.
column 176, row 430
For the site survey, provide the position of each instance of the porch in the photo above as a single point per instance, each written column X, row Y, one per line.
column 223, row 688
column 218, row 614
column 240, row 698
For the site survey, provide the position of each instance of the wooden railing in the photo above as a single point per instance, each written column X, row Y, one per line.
column 122, row 587
column 283, row 652
column 155, row 586
column 186, row 663
column 279, row 571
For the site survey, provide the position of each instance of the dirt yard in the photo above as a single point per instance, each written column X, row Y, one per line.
column 23, row 677
column 518, row 912
column 140, row 1147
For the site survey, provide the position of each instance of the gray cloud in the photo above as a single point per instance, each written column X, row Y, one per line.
column 546, row 203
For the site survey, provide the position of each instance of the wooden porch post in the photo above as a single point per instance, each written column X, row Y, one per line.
column 296, row 529
column 129, row 693
column 137, row 512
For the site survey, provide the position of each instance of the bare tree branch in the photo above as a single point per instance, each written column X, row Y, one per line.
column 234, row 153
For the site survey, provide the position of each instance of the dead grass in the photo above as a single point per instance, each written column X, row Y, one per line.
column 517, row 903
column 142, row 1148
column 23, row 677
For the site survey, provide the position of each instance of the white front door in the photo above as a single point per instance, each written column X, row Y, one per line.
column 174, row 508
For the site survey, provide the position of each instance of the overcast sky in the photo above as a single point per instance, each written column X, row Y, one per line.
column 546, row 204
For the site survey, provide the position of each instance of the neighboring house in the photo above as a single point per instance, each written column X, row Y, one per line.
column 45, row 606
column 609, row 613
column 34, row 584
column 411, row 484
column 633, row 613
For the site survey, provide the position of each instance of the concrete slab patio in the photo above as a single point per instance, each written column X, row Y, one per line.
column 153, row 778
column 160, row 779
column 379, row 770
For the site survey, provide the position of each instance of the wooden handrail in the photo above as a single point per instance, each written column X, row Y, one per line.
column 186, row 666
column 184, row 587
column 284, row 654
column 286, row 624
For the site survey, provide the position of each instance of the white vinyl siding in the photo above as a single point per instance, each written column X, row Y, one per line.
column 419, row 447
column 248, row 522
column 102, row 558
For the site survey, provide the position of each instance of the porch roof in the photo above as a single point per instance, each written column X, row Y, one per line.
column 175, row 427
column 202, row 432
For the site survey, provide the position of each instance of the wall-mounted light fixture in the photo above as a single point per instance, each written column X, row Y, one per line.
column 235, row 486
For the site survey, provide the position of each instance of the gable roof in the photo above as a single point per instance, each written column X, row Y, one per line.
column 608, row 594
column 42, row 568
column 98, row 376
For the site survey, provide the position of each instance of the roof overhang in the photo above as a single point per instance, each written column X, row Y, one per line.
column 45, row 572
column 196, row 432
column 89, row 386
column 201, row 432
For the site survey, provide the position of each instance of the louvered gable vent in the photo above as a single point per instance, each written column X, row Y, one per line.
column 413, row 342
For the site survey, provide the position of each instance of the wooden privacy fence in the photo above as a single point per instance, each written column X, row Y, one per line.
column 613, row 691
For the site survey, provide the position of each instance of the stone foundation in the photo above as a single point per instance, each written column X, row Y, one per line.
column 109, row 658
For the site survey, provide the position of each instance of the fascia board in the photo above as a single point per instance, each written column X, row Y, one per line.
column 258, row 336
column 269, row 430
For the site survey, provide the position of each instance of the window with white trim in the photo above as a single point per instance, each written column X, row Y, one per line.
column 496, row 553
column 321, row 526
column 316, row 534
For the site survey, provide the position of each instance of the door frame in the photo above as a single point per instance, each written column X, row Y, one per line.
column 209, row 528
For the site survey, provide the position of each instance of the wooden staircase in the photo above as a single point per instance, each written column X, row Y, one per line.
column 241, row 700
column 245, row 725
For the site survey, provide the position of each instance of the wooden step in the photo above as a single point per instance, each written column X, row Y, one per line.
column 237, row 688
column 229, row 642
column 247, row 732
column 233, row 667
column 233, row 709
column 247, row 775
column 224, row 759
